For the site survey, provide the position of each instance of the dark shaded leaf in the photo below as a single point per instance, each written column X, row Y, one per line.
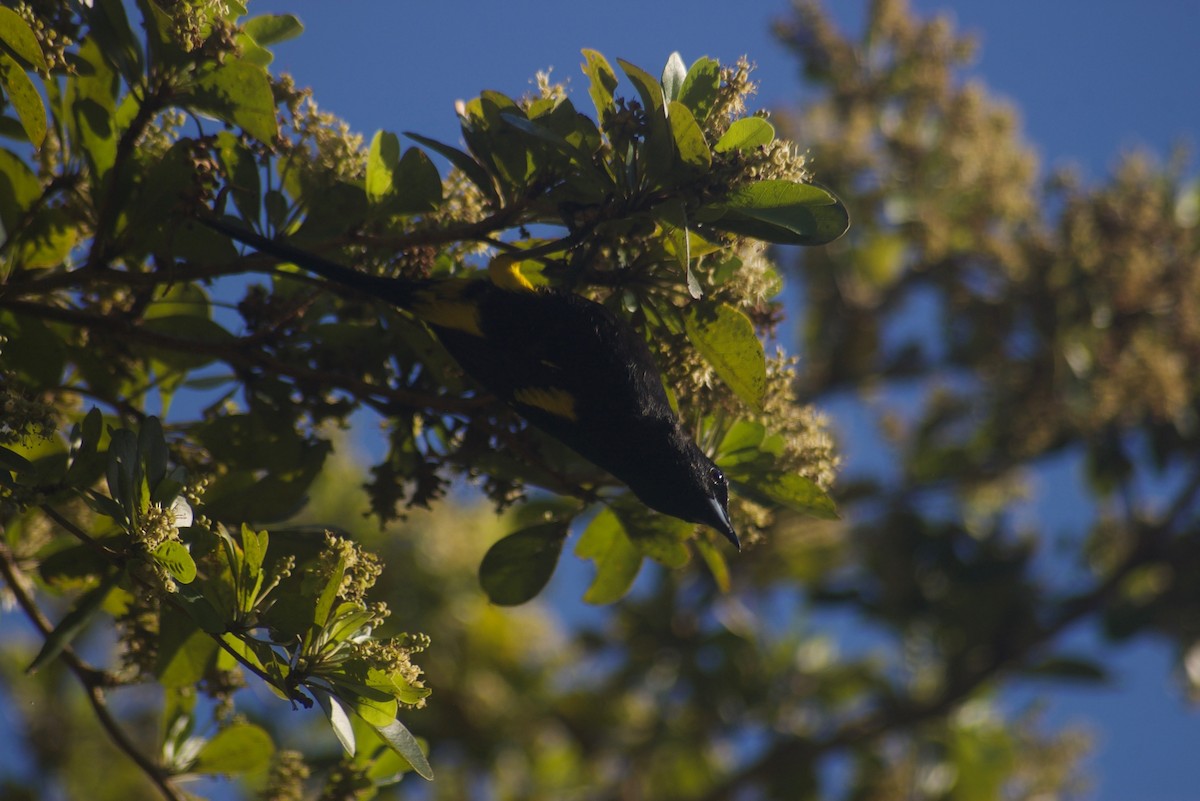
column 516, row 568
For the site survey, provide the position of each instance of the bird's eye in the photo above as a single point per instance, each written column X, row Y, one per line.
column 719, row 484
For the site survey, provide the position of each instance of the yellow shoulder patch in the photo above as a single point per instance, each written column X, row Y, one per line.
column 557, row 402
column 442, row 304
column 505, row 271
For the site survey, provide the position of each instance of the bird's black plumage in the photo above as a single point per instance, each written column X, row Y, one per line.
column 567, row 364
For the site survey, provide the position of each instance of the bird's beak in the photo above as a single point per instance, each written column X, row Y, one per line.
column 721, row 514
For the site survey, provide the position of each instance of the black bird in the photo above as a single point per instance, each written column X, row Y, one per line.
column 565, row 363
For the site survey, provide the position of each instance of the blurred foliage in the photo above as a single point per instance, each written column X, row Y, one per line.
column 993, row 321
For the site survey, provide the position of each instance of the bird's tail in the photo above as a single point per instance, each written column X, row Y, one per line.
column 394, row 290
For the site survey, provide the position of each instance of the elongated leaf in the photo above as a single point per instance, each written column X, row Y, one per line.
column 109, row 26
column 25, row 99
column 19, row 188
column 617, row 559
column 603, row 81
column 240, row 748
column 699, row 90
column 338, row 716
column 401, row 740
column 727, row 341
column 673, row 76
column 690, row 144
column 517, row 567
column 714, row 558
column 92, row 98
column 782, row 212
column 648, row 88
column 746, row 134
column 417, row 184
column 463, row 161
column 789, row 490
column 382, row 158
column 20, row 39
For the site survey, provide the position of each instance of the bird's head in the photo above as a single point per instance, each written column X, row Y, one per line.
column 681, row 481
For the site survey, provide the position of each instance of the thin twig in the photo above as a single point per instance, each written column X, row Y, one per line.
column 91, row 678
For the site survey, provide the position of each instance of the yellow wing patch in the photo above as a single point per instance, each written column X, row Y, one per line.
column 442, row 304
column 505, row 272
column 557, row 402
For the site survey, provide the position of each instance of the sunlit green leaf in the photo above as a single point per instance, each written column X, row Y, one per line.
column 239, row 93
column 174, row 556
column 726, row 339
column 602, row 81
column 238, row 748
column 690, row 144
column 782, row 212
column 617, row 559
column 746, row 134
column 18, row 37
column 270, row 29
column 382, row 157
column 24, row 97
column 699, row 89
column 186, row 653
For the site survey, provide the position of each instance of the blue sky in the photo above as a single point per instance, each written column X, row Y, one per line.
column 1091, row 80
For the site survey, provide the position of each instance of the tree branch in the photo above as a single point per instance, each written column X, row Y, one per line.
column 92, row 679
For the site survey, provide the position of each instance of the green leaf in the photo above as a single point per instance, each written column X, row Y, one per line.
column 673, row 76
column 239, row 92
column 109, row 26
column 517, row 567
column 239, row 748
column 400, row 740
column 746, row 134
column 781, row 212
column 24, row 97
column 463, row 161
column 19, row 188
column 175, row 557
column 602, row 81
column 791, row 490
column 75, row 621
column 690, row 144
column 726, row 339
column 656, row 535
column 617, row 559
column 16, row 34
column 11, row 460
column 657, row 153
column 339, row 718
column 270, row 29
column 92, row 98
column 699, row 90
column 186, row 652
column 417, row 186
column 714, row 558
column 382, row 157
column 242, row 171
column 648, row 89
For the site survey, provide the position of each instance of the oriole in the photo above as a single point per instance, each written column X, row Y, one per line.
column 565, row 363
